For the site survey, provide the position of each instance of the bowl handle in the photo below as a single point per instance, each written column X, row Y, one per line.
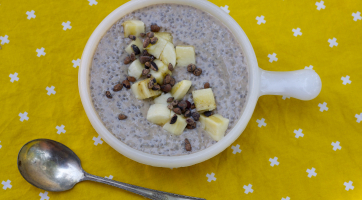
column 302, row 84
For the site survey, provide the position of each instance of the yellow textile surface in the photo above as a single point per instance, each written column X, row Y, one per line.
column 295, row 156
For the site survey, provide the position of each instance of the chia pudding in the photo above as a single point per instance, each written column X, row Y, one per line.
column 218, row 54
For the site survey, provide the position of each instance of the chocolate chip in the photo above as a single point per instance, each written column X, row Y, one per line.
column 151, row 83
column 117, row 87
column 190, row 121
column 177, row 111
column 149, row 75
column 166, row 88
column 144, row 59
column 154, row 66
column 207, row 85
column 191, row 126
column 146, row 42
column 152, row 57
column 193, row 106
column 187, row 113
column 197, row 72
column 196, row 116
column 170, row 106
column 145, row 72
column 187, row 145
column 122, row 117
column 208, row 113
column 167, row 79
column 126, row 84
column 154, row 40
column 132, row 37
column 147, row 65
column 182, row 104
column 170, row 99
column 127, row 60
column 188, row 104
column 131, row 79
column 172, row 81
column 183, row 110
column 156, row 87
column 143, row 34
column 132, row 57
column 173, row 119
column 145, row 53
column 170, row 67
column 174, row 102
column 136, row 49
column 108, row 95
column 191, row 68
column 150, row 35
column 155, row 28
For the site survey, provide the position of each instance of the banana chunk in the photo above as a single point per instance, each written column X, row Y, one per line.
column 215, row 125
column 133, row 27
column 157, row 48
column 158, row 114
column 135, row 69
column 164, row 35
column 178, row 127
column 204, row 100
column 180, row 89
column 168, row 55
column 141, row 91
column 163, row 98
column 161, row 73
column 185, row 55
column 136, row 42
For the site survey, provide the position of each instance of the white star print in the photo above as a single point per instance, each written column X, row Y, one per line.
column 260, row 19
column 97, row 140
column 236, row 149
column 272, row 57
column 66, row 25
column 50, row 90
column 336, row 146
column 286, row 198
column 311, row 172
column 44, row 196
column 6, row 184
column 248, row 189
column 261, row 122
column 23, row 116
column 356, row 16
column 92, row 2
column 323, row 107
column 332, row 42
column 285, row 97
column 310, row 67
column 225, row 8
column 60, row 129
column 109, row 177
column 297, row 32
column 298, row 133
column 30, row 14
column 211, row 177
column 40, row 52
column 4, row 40
column 273, row 161
column 14, row 77
column 320, row 5
column 346, row 80
column 76, row 63
column 348, row 185
column 359, row 117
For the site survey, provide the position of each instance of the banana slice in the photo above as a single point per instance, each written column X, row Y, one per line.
column 158, row 114
column 161, row 73
column 168, row 54
column 133, row 27
column 178, row 127
column 137, row 42
column 204, row 100
column 164, row 35
column 135, row 69
column 185, row 55
column 215, row 125
column 141, row 91
column 157, row 48
column 162, row 99
column 180, row 89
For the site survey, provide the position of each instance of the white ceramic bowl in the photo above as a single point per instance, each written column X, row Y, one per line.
column 302, row 84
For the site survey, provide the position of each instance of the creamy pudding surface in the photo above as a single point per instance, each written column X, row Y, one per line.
column 218, row 54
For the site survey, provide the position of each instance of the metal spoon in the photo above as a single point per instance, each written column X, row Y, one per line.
column 52, row 166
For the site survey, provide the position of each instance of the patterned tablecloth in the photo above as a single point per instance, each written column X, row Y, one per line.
column 290, row 150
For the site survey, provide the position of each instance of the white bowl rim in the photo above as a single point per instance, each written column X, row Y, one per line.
column 169, row 161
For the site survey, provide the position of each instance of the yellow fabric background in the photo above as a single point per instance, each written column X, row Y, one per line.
column 233, row 171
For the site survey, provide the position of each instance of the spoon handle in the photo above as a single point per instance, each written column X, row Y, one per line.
column 148, row 193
